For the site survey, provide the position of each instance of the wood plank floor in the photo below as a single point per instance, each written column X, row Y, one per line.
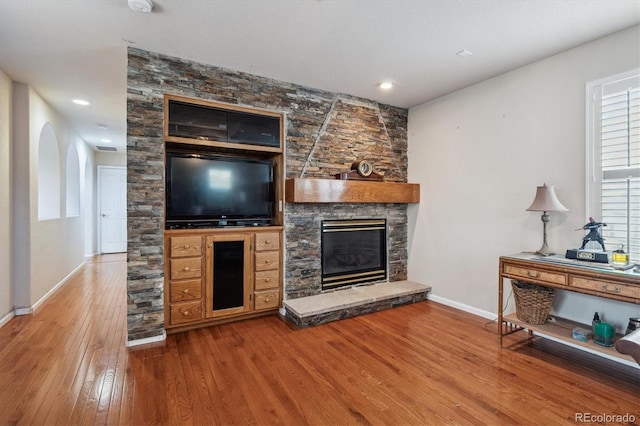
column 418, row 364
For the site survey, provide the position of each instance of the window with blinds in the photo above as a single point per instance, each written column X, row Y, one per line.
column 614, row 169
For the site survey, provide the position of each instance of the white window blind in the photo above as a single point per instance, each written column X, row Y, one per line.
column 614, row 145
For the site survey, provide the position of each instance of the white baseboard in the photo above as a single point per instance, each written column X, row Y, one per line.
column 147, row 340
column 5, row 319
column 29, row 309
column 463, row 307
column 56, row 287
column 23, row 311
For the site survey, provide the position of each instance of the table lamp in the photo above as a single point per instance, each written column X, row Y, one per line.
column 546, row 201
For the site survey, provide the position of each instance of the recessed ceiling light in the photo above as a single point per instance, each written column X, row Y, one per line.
column 464, row 53
column 386, row 85
column 81, row 102
column 143, row 6
column 105, row 140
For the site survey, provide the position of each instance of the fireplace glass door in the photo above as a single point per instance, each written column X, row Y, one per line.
column 353, row 252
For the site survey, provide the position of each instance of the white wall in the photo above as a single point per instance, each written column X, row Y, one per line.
column 6, row 289
column 479, row 154
column 87, row 205
column 20, row 197
column 46, row 251
column 111, row 158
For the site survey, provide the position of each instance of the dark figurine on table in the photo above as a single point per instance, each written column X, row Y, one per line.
column 593, row 234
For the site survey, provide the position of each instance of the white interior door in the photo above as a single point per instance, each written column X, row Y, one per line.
column 112, row 211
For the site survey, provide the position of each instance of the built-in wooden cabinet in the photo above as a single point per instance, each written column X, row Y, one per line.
column 223, row 273
column 236, row 274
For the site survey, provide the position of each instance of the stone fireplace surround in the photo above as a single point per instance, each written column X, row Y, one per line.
column 324, row 133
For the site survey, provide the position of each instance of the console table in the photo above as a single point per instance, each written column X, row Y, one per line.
column 599, row 280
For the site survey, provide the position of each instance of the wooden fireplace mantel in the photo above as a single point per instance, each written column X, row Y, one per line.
column 298, row 190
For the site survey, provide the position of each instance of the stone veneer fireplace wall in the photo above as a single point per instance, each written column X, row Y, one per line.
column 324, row 133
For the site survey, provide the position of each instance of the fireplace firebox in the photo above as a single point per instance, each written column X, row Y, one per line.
column 353, row 252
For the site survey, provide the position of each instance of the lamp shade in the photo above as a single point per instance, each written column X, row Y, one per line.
column 546, row 201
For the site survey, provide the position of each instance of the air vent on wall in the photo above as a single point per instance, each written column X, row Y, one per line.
column 106, row 148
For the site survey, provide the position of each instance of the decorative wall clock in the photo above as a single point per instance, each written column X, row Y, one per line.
column 360, row 170
column 363, row 167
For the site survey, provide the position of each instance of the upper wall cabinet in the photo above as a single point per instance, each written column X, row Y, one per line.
column 207, row 123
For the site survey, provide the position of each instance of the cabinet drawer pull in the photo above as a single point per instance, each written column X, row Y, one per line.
column 267, row 261
column 532, row 275
column 266, row 280
column 187, row 246
column 185, row 313
column 186, row 268
column 616, row 289
column 186, row 291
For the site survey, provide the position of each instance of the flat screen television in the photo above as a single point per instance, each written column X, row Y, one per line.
column 212, row 191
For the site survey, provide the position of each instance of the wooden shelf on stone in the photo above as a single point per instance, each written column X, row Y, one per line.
column 350, row 191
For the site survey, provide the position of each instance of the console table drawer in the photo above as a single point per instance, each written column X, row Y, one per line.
column 530, row 274
column 606, row 287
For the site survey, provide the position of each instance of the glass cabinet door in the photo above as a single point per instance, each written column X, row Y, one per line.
column 197, row 122
column 208, row 123
column 228, row 274
column 254, row 129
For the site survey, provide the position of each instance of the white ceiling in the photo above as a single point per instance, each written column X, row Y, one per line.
column 68, row 49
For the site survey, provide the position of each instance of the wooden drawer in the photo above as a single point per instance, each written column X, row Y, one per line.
column 186, row 312
column 183, row 291
column 267, row 279
column 534, row 275
column 185, row 246
column 266, row 300
column 267, row 260
column 189, row 267
column 267, row 241
column 606, row 287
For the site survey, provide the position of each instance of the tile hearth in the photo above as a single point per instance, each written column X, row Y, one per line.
column 345, row 303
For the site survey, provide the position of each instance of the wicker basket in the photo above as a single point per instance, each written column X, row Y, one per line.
column 533, row 302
